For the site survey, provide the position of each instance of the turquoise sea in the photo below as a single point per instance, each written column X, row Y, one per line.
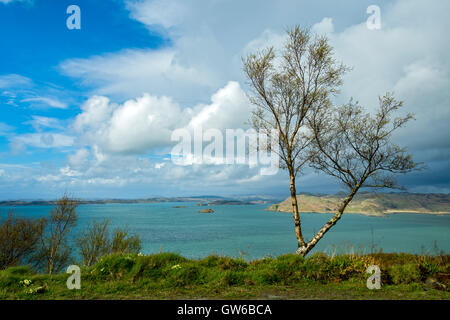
column 251, row 232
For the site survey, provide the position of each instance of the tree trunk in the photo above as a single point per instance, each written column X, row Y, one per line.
column 298, row 227
column 51, row 260
column 50, row 266
column 305, row 249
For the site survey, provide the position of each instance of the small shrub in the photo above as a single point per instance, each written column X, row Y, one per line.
column 291, row 261
column 233, row 278
column 319, row 258
column 94, row 242
column 261, row 262
column 430, row 266
column 389, row 259
column 19, row 238
column 364, row 261
column 54, row 252
column 265, row 277
column 166, row 259
column 146, row 268
column 155, row 266
column 20, row 271
column 188, row 274
column 13, row 278
column 286, row 266
column 406, row 273
column 316, row 267
column 223, row 263
column 210, row 261
column 340, row 267
column 123, row 242
column 114, row 265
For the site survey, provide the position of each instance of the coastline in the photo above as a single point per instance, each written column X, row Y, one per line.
column 370, row 204
column 371, row 214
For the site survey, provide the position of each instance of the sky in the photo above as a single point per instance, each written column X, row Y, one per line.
column 90, row 111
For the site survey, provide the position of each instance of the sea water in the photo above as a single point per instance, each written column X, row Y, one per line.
column 250, row 232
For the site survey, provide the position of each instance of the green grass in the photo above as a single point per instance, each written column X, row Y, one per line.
column 171, row 276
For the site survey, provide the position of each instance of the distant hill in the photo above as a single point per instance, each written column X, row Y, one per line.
column 371, row 203
column 206, row 200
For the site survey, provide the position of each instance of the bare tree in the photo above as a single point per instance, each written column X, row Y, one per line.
column 286, row 88
column 53, row 252
column 94, row 242
column 355, row 147
column 97, row 241
column 18, row 239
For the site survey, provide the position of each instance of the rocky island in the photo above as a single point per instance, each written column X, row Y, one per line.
column 374, row 204
column 206, row 211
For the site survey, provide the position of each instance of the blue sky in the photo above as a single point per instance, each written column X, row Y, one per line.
column 90, row 111
column 35, row 39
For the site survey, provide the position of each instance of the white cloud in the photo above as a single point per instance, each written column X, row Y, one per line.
column 45, row 101
column 13, row 80
column 159, row 165
column 324, row 27
column 66, row 171
column 21, row 91
column 39, row 122
column 132, row 127
column 12, row 1
column 408, row 58
column 41, row 140
column 131, row 73
column 78, row 159
column 166, row 13
column 142, row 124
column 95, row 111
column 113, row 137
column 230, row 108
column 5, row 128
column 268, row 38
column 203, row 51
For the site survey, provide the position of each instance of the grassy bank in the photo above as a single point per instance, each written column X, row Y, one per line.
column 171, row 276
